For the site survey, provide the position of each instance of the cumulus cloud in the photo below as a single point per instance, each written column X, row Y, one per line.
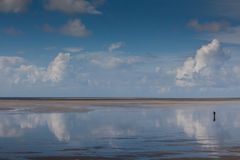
column 8, row 66
column 75, row 28
column 72, row 6
column 56, row 69
column 204, row 68
column 115, row 46
column 6, row 62
column 209, row 26
column 28, row 73
column 16, row 70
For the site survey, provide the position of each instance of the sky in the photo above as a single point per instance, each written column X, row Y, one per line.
column 109, row 48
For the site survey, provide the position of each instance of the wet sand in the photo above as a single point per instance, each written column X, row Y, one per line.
column 79, row 105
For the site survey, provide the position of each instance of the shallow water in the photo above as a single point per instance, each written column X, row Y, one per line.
column 122, row 132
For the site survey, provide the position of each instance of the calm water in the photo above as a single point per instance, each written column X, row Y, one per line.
column 122, row 132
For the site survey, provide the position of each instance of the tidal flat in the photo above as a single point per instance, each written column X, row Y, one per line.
column 79, row 104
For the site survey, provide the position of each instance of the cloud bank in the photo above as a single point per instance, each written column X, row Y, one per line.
column 210, row 69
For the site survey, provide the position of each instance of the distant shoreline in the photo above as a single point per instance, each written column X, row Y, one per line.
column 123, row 98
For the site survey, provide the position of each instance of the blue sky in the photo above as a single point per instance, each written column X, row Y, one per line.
column 145, row 48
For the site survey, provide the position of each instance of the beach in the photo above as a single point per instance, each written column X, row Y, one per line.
column 69, row 104
column 76, row 105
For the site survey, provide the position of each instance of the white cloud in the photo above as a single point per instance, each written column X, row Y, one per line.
column 73, row 49
column 15, row 70
column 209, row 26
column 72, row 6
column 6, row 62
column 13, row 5
column 74, row 28
column 110, row 62
column 115, row 46
column 57, row 67
column 204, row 68
column 8, row 67
column 29, row 74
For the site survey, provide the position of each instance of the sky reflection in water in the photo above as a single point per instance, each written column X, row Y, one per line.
column 136, row 132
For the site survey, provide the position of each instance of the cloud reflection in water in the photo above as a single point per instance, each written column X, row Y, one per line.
column 128, row 128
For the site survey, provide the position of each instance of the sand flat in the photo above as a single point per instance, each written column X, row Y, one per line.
column 78, row 104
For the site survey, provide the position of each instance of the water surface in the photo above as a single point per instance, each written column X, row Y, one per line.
column 122, row 133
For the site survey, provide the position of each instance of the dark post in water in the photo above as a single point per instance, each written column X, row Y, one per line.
column 214, row 116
